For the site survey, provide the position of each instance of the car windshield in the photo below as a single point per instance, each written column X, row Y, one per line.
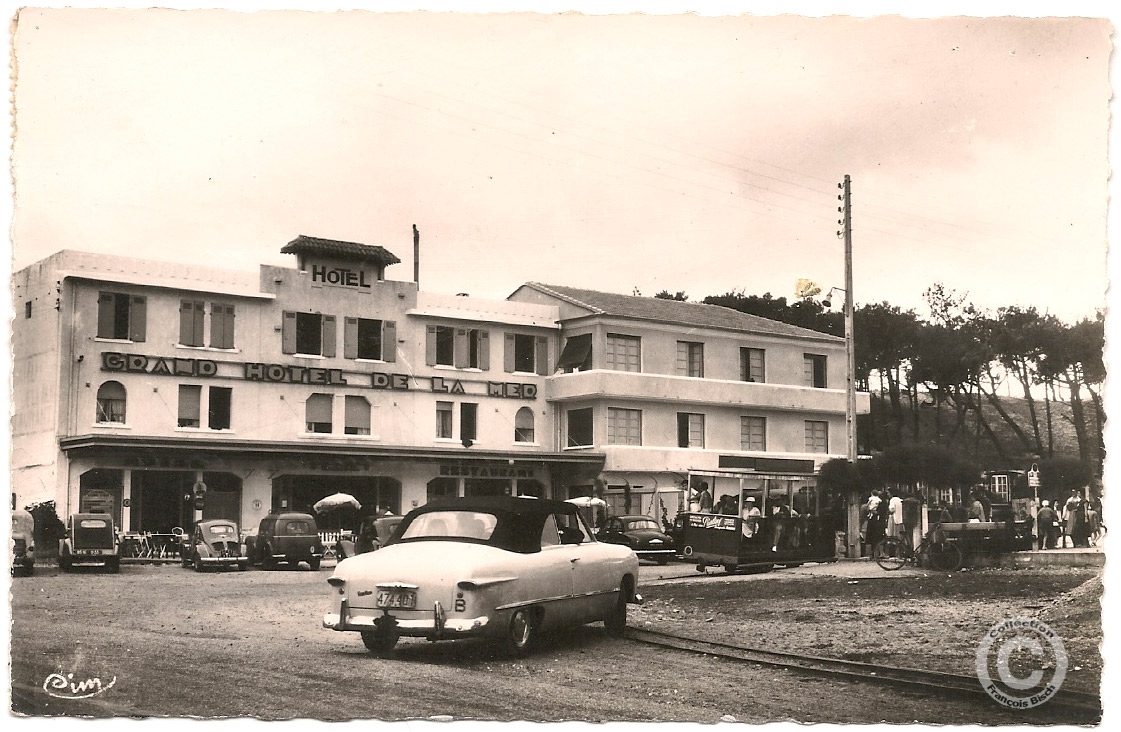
column 221, row 530
column 93, row 523
column 642, row 523
column 452, row 524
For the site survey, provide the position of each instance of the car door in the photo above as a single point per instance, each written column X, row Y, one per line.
column 595, row 575
column 550, row 572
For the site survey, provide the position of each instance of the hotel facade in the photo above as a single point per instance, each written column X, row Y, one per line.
column 163, row 393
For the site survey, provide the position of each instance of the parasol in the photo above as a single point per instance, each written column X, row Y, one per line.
column 337, row 500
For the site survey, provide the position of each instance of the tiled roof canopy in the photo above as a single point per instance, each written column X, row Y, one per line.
column 340, row 249
column 675, row 311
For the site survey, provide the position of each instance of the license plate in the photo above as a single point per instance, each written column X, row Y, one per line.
column 88, row 552
column 404, row 599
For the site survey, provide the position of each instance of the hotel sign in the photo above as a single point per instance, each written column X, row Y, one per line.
column 340, row 276
column 285, row 374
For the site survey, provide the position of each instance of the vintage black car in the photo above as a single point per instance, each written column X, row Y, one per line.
column 90, row 541
column 285, row 538
column 373, row 534
column 642, row 534
column 23, row 543
column 214, row 544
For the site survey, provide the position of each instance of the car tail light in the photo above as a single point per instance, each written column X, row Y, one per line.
column 338, row 583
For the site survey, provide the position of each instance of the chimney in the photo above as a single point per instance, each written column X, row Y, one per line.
column 416, row 256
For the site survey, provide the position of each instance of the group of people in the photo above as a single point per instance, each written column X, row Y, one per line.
column 1076, row 520
column 889, row 513
column 784, row 533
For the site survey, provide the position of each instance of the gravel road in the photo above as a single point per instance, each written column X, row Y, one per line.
column 176, row 643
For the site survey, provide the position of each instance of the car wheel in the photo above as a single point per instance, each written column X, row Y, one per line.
column 314, row 564
column 380, row 642
column 113, row 565
column 186, row 561
column 198, row 564
column 662, row 561
column 616, row 622
column 521, row 634
column 64, row 564
column 267, row 559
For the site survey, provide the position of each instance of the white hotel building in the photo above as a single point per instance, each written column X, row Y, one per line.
column 135, row 381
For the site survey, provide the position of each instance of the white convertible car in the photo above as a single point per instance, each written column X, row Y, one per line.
column 499, row 567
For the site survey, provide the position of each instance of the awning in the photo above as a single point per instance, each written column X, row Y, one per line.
column 576, row 352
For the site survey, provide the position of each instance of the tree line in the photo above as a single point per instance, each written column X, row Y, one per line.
column 954, row 364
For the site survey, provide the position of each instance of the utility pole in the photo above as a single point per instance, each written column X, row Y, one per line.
column 850, row 349
column 852, row 534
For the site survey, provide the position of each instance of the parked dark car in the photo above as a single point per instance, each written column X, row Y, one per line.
column 372, row 535
column 23, row 543
column 285, row 538
column 642, row 534
column 214, row 543
column 90, row 541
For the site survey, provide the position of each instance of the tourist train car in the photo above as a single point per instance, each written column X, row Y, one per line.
column 498, row 567
column 760, row 521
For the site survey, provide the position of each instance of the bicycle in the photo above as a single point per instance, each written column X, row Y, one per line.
column 891, row 552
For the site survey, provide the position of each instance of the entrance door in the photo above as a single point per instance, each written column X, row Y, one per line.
column 161, row 500
column 486, row 487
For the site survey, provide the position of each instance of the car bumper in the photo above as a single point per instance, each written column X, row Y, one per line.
column 223, row 561
column 668, row 551
column 91, row 560
column 430, row 625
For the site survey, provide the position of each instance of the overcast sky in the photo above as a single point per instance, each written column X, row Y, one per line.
column 651, row 152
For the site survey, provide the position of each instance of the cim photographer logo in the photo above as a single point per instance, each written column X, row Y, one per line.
column 1027, row 659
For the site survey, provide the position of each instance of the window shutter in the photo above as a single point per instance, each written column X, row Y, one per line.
column 350, row 337
column 430, row 346
column 357, row 413
column 484, row 350
column 228, row 333
column 218, row 325
column 508, row 354
column 542, row 356
column 197, row 334
column 186, row 322
column 329, row 336
column 288, row 336
column 459, row 356
column 189, row 402
column 138, row 318
column 389, row 340
column 105, row 315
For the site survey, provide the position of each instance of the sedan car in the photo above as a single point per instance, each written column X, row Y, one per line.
column 504, row 568
column 90, row 541
column 215, row 544
column 640, row 533
column 23, row 543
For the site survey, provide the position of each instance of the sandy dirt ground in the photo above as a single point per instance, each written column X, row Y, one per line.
column 180, row 644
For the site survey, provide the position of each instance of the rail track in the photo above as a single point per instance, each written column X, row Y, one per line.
column 1084, row 707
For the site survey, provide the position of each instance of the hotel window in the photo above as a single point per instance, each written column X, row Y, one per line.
column 190, row 401
column 624, row 426
column 523, row 425
column 527, row 354
column 753, row 433
column 462, row 348
column 219, row 407
column 27, row 309
column 192, row 314
column 1000, row 487
column 468, row 422
column 221, row 325
column 579, row 427
column 752, row 365
column 365, row 338
column 690, row 359
column 317, row 413
column 577, row 354
column 690, row 430
column 817, row 436
column 813, row 372
column 121, row 316
column 111, row 403
column 444, row 420
column 308, row 334
column 357, row 416
column 623, row 353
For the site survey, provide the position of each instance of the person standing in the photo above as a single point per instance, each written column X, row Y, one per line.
column 976, row 512
column 1046, row 520
column 894, row 515
column 912, row 518
column 704, row 499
